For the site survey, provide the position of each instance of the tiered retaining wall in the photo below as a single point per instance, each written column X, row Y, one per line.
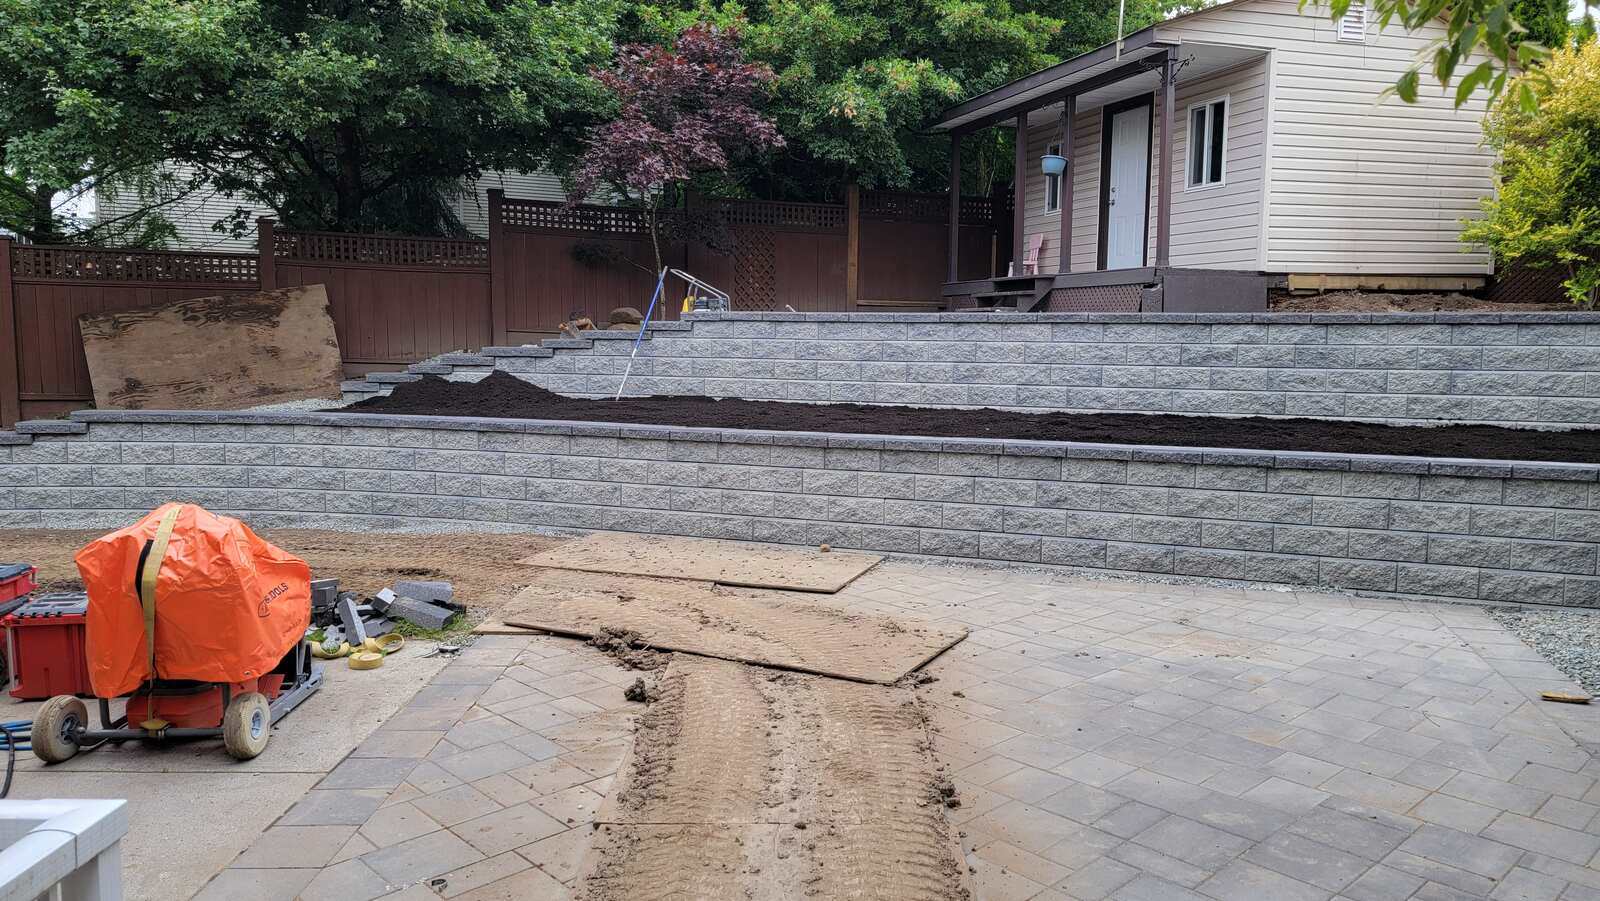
column 1538, row 369
column 1450, row 529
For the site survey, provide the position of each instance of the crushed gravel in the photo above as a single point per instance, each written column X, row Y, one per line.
column 1569, row 639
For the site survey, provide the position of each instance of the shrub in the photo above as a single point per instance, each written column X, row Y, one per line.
column 1547, row 211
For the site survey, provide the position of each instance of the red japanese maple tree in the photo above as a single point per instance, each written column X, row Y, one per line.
column 682, row 110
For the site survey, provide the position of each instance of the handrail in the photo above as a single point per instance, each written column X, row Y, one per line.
column 76, row 845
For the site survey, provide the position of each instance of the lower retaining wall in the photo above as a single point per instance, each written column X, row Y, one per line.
column 1449, row 529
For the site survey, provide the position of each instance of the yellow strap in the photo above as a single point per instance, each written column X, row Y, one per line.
column 147, row 598
column 366, row 660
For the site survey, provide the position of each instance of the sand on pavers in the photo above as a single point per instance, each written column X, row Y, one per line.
column 746, row 783
column 788, row 631
column 708, row 560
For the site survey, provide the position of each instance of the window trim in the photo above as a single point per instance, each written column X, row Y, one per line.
column 1227, row 134
column 1053, row 148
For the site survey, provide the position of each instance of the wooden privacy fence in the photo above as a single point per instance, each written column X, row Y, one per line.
column 396, row 300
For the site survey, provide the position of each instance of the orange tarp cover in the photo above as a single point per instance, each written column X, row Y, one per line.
column 229, row 605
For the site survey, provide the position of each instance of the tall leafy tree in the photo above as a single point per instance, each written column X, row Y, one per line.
column 337, row 114
column 685, row 110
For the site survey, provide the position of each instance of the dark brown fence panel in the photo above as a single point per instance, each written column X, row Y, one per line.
column 905, row 244
column 53, row 286
column 557, row 260
column 395, row 300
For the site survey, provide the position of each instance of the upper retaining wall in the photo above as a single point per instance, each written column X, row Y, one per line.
column 1471, row 529
column 1538, row 369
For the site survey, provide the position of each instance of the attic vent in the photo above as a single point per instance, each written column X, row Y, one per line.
column 1353, row 24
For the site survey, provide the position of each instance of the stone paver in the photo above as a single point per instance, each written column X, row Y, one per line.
column 1137, row 742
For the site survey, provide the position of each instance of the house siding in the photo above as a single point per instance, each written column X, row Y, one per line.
column 1359, row 183
column 193, row 215
column 1217, row 227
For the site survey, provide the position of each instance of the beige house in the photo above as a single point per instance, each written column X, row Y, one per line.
column 1287, row 159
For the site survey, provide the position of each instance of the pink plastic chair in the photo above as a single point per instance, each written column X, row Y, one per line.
column 1030, row 257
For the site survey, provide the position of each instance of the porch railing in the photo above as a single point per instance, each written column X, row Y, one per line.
column 72, row 845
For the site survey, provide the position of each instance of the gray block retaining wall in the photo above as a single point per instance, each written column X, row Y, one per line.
column 1448, row 529
column 1512, row 368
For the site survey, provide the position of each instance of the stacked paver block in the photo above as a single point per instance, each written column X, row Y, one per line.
column 1514, row 368
column 1459, row 529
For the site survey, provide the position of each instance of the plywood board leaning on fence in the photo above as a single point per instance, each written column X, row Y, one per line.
column 225, row 352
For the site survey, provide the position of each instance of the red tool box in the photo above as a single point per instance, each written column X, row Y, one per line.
column 46, row 647
column 16, row 580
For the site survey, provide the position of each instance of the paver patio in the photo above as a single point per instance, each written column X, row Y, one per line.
column 1109, row 740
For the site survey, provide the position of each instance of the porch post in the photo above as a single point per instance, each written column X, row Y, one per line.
column 1069, row 112
column 955, row 206
column 1019, row 195
column 1169, row 77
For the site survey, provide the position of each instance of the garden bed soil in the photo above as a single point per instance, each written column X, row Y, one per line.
column 505, row 396
column 1409, row 302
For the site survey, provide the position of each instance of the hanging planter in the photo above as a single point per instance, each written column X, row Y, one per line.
column 1053, row 164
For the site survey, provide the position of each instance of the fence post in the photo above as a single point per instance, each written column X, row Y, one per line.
column 266, row 270
column 498, row 280
column 10, row 353
column 852, row 245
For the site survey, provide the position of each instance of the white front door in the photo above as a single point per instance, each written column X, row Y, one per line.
column 1127, row 195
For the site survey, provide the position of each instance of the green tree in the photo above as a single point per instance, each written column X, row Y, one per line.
column 1547, row 211
column 337, row 114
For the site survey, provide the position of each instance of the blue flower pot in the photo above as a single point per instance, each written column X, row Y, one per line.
column 1053, row 165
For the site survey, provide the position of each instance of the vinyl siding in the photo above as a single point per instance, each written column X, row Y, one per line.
column 1216, row 227
column 1357, row 182
column 193, row 215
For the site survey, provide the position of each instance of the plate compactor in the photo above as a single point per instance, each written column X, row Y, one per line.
column 198, row 623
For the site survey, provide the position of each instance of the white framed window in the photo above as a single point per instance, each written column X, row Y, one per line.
column 1208, row 143
column 1352, row 25
column 1052, row 184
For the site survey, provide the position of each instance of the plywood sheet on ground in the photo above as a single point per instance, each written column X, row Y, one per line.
column 789, row 631
column 708, row 560
column 744, row 783
column 214, row 353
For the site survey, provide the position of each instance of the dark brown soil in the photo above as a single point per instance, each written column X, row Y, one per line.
column 1409, row 302
column 504, row 395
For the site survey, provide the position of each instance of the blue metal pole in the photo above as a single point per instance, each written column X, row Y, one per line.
column 661, row 281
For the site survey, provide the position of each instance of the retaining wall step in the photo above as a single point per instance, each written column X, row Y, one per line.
column 357, row 386
column 463, row 359
column 51, row 427
column 392, row 378
column 15, row 438
column 567, row 343
column 430, row 368
column 524, row 350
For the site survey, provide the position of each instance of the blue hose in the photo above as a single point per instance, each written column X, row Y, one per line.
column 16, row 734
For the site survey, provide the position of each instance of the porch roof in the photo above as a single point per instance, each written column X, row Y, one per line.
column 1097, row 77
column 1046, row 85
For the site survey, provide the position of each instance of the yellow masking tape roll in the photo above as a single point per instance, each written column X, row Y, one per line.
column 385, row 644
column 366, row 660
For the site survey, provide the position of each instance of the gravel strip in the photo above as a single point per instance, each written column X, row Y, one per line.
column 1569, row 639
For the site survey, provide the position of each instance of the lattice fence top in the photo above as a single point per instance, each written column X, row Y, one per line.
column 780, row 214
column 385, row 250
column 907, row 206
column 34, row 261
column 584, row 219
